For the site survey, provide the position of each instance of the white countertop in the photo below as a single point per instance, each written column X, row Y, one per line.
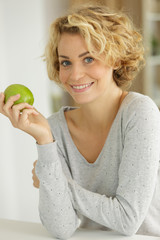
column 15, row 230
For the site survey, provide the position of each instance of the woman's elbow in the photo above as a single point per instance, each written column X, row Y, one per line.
column 61, row 230
column 62, row 234
column 130, row 229
column 129, row 232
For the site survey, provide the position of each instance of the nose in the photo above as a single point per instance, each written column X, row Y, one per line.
column 77, row 72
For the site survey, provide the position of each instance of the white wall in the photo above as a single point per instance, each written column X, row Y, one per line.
column 23, row 34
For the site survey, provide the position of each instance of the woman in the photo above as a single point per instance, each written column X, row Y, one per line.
column 97, row 163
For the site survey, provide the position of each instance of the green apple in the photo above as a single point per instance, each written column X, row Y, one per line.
column 25, row 94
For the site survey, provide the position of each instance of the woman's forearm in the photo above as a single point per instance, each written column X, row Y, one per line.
column 55, row 205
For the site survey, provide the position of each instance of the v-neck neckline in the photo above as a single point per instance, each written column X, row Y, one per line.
column 74, row 147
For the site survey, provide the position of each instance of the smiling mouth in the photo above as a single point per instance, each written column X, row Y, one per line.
column 83, row 86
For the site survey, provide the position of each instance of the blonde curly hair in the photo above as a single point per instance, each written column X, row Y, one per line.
column 112, row 34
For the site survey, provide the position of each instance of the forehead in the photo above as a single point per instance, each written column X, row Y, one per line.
column 71, row 42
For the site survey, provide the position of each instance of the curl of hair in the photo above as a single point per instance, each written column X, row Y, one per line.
column 111, row 34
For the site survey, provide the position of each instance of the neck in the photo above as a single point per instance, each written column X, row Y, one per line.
column 101, row 113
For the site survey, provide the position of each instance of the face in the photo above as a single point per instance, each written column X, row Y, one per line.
column 85, row 78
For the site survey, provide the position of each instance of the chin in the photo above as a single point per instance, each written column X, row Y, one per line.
column 83, row 100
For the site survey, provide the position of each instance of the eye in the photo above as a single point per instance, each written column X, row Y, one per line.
column 65, row 63
column 89, row 60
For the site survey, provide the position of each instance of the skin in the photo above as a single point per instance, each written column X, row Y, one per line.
column 36, row 183
column 29, row 121
column 99, row 103
column 78, row 67
column 99, row 99
column 26, row 118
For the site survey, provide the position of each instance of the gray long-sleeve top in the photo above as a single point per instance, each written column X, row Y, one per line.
column 119, row 191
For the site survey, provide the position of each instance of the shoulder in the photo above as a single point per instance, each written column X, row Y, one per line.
column 136, row 102
column 139, row 109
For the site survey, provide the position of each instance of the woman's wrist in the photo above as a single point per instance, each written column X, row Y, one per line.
column 45, row 140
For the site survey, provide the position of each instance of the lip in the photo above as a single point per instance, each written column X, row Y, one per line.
column 78, row 88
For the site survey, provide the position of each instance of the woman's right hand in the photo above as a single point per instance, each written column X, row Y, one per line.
column 26, row 118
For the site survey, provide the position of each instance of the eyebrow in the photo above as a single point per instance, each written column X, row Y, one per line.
column 81, row 55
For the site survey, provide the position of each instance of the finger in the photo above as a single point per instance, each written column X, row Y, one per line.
column 24, row 119
column 35, row 162
column 19, row 107
column 12, row 99
column 35, row 181
column 25, row 115
column 2, row 103
column 27, row 112
column 36, row 185
column 34, row 178
column 7, row 107
column 2, row 97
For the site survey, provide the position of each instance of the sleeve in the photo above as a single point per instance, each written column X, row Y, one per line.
column 137, row 175
column 55, row 206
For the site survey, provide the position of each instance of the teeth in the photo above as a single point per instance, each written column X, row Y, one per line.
column 82, row 86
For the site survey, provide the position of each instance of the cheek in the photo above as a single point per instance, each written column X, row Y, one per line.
column 98, row 73
column 62, row 76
